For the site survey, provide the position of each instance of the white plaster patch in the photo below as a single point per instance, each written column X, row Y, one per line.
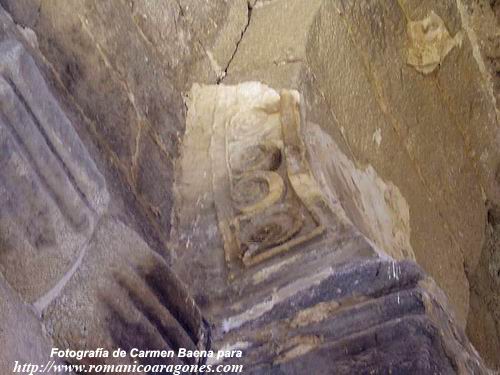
column 215, row 65
column 279, row 296
column 377, row 136
column 484, row 156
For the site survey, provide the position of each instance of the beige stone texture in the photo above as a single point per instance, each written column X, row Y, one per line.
column 432, row 137
column 429, row 43
column 123, row 67
column 410, row 118
column 245, row 233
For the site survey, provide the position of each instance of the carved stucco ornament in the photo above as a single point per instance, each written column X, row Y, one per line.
column 429, row 43
column 280, row 272
column 265, row 198
column 259, row 159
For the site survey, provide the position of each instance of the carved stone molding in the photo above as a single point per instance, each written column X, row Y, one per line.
column 266, row 198
column 51, row 192
column 249, row 214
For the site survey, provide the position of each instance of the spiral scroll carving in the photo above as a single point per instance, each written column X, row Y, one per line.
column 272, row 196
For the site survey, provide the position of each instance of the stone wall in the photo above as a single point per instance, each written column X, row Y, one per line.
column 402, row 132
column 124, row 66
column 427, row 142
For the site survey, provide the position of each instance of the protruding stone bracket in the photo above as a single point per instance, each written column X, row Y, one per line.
column 266, row 199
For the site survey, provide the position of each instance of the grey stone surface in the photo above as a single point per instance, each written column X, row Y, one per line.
column 413, row 179
column 368, row 317
column 431, row 137
column 124, row 66
column 51, row 191
column 123, row 295
column 93, row 279
column 22, row 337
column 328, row 305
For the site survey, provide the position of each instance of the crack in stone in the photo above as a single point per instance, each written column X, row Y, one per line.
column 181, row 9
column 249, row 18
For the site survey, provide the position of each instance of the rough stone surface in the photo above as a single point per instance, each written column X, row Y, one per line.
column 51, row 191
column 377, row 208
column 126, row 83
column 123, row 295
column 22, row 337
column 482, row 20
column 92, row 279
column 484, row 328
column 392, row 300
column 416, row 172
column 329, row 303
column 429, row 43
column 286, row 229
column 429, row 163
column 432, row 137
